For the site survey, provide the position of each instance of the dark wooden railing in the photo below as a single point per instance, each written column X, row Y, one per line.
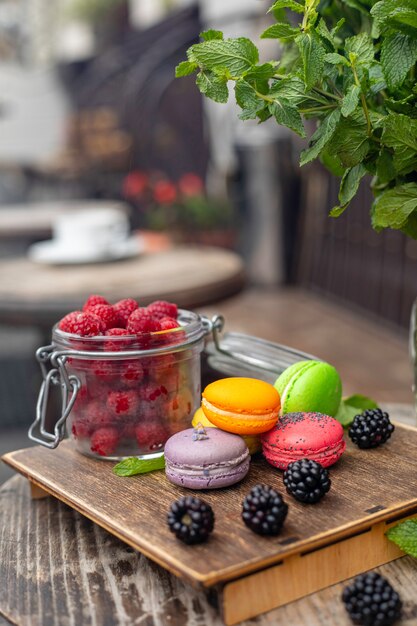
column 346, row 259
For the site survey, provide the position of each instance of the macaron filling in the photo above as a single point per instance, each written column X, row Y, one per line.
column 261, row 416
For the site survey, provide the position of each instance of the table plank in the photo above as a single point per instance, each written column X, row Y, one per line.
column 57, row 567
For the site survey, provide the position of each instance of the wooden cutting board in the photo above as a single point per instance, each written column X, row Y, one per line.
column 247, row 574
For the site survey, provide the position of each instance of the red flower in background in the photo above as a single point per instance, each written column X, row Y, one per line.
column 134, row 184
column 164, row 192
column 191, row 185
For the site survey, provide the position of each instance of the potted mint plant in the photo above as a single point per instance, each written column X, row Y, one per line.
column 350, row 66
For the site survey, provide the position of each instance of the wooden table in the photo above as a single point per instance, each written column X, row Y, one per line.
column 34, row 294
column 57, row 567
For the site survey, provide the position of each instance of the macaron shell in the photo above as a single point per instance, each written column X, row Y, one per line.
column 326, row 457
column 202, row 481
column 242, row 424
column 310, row 386
column 242, row 395
column 304, row 435
column 218, row 447
column 252, row 441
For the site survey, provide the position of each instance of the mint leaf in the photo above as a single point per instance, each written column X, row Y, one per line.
column 400, row 133
column 287, row 4
column 385, row 169
column 358, row 401
column 393, row 207
column 336, row 59
column 213, row 86
column 281, row 31
column 185, row 68
column 209, row 35
column 350, row 185
column 361, row 46
column 404, row 535
column 398, row 55
column 287, row 115
column 248, row 100
column 350, row 141
column 405, row 19
column 324, row 32
column 133, row 466
column 321, row 137
column 237, row 55
column 352, row 406
column 350, row 100
column 261, row 72
column 312, row 55
column 292, row 89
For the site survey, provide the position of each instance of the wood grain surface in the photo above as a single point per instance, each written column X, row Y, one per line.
column 59, row 569
column 188, row 275
column 367, row 487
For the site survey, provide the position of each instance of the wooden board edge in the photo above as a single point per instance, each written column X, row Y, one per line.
column 295, row 578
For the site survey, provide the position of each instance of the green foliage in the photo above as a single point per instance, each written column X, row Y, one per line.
column 133, row 466
column 352, row 406
column 351, row 66
column 404, row 535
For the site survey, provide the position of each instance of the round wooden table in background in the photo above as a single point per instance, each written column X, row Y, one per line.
column 38, row 295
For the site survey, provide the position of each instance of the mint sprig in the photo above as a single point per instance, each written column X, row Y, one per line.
column 349, row 65
column 352, row 406
column 133, row 466
column 404, row 535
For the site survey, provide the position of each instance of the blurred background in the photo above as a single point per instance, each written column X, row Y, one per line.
column 195, row 205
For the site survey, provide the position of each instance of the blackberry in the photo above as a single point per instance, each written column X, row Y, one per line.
column 191, row 519
column 264, row 510
column 371, row 428
column 307, row 480
column 371, row 601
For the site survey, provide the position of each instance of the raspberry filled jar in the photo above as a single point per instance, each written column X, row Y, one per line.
column 122, row 395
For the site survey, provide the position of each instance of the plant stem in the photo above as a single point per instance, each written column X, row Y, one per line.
column 363, row 101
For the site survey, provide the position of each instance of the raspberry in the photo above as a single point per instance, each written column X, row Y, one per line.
column 151, row 435
column 93, row 300
column 118, row 344
column 152, row 392
column 140, row 322
column 124, row 308
column 162, row 308
column 168, row 323
column 104, row 370
column 81, row 429
column 106, row 313
column 123, row 402
column 96, row 414
column 104, row 441
column 83, row 324
column 131, row 373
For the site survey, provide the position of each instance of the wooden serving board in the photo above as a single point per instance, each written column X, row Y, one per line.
column 320, row 545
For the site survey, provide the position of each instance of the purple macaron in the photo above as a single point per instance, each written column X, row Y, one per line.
column 206, row 459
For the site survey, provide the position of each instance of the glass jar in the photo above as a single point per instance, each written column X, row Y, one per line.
column 123, row 395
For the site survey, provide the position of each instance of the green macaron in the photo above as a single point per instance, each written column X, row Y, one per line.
column 309, row 387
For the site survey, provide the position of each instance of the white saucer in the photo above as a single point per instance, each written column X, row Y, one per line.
column 52, row 253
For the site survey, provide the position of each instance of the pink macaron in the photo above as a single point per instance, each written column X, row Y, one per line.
column 304, row 436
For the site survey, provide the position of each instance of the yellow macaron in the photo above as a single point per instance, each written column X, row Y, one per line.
column 252, row 441
column 245, row 406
